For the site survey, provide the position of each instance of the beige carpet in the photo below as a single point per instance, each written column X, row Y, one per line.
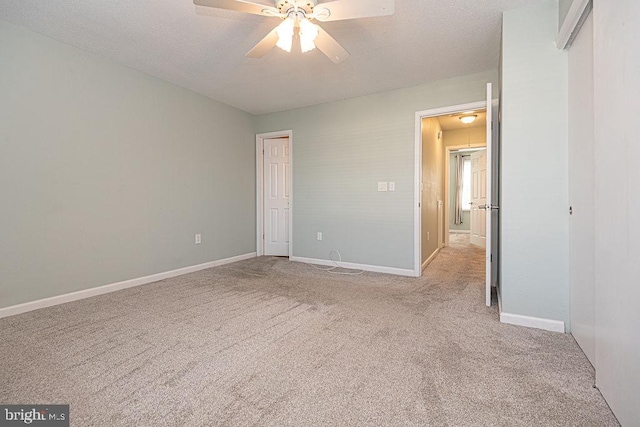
column 267, row 342
column 459, row 239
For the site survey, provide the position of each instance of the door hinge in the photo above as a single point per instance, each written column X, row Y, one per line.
column 491, row 256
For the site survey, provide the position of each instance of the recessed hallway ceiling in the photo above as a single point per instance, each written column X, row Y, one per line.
column 425, row 40
column 452, row 121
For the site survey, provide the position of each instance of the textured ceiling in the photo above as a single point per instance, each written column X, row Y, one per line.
column 425, row 40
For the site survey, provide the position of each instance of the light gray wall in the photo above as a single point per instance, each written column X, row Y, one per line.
column 342, row 149
column 107, row 173
column 534, row 202
column 617, row 204
column 581, row 184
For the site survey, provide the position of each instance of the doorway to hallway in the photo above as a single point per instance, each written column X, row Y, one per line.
column 434, row 202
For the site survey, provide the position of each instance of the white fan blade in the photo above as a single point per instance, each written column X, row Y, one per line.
column 353, row 9
column 239, row 6
column 330, row 47
column 264, row 45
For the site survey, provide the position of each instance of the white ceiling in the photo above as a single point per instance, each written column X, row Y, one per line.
column 425, row 40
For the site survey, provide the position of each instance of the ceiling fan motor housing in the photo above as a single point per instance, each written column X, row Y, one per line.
column 285, row 6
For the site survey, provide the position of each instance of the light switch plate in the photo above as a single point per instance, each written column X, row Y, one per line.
column 383, row 186
column 392, row 186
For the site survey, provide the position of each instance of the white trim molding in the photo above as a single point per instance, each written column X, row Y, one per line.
column 431, row 258
column 113, row 287
column 532, row 322
column 365, row 267
column 578, row 12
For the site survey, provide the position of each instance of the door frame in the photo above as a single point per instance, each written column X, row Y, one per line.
column 260, row 188
column 417, row 215
column 447, row 183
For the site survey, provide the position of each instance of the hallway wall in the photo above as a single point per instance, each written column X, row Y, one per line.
column 433, row 184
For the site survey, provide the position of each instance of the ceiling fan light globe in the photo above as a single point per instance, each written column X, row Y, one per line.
column 285, row 44
column 285, row 34
column 306, row 45
column 308, row 33
column 308, row 30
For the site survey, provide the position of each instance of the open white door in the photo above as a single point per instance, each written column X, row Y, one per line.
column 491, row 205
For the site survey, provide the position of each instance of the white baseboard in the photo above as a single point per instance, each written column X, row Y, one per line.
column 365, row 267
column 431, row 258
column 532, row 322
column 459, row 231
column 99, row 290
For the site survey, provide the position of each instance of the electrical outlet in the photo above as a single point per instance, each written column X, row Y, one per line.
column 198, row 239
column 319, row 237
column 392, row 186
column 383, row 186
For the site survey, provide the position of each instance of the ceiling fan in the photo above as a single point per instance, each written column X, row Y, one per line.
column 297, row 15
